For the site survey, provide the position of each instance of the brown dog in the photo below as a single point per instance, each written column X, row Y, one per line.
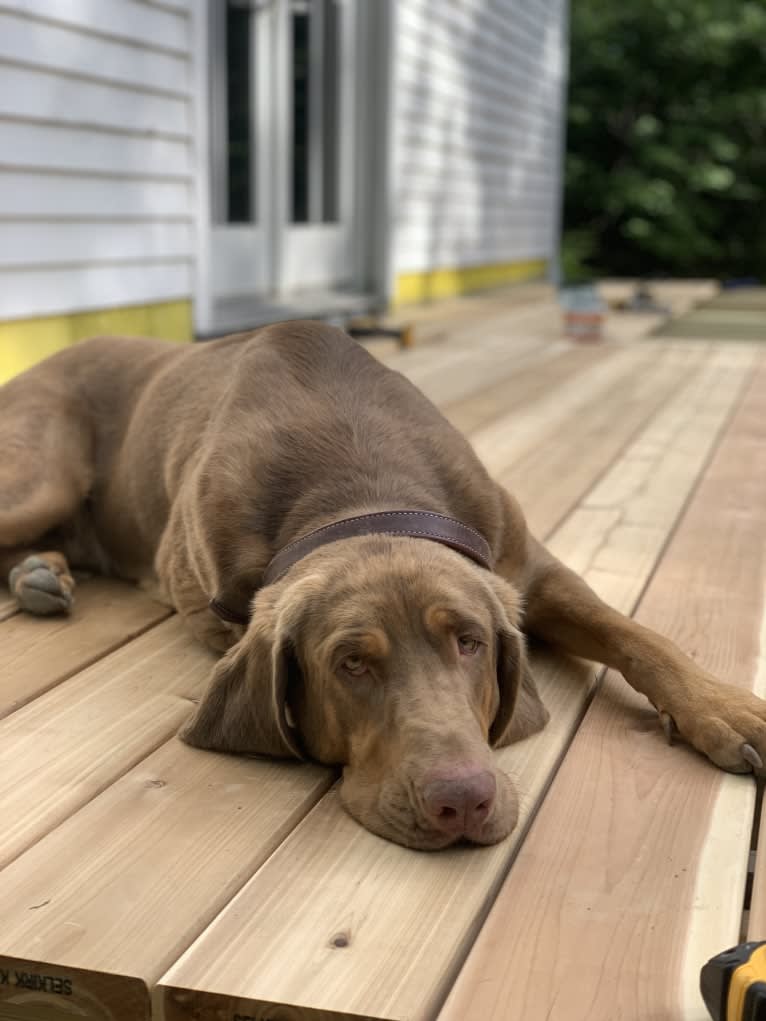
column 391, row 641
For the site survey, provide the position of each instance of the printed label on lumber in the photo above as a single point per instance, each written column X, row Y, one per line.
column 39, row 991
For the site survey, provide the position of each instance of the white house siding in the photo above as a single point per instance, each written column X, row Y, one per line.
column 477, row 131
column 96, row 188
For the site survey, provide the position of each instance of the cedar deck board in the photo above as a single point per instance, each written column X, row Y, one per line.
column 64, row 748
column 36, row 653
column 507, row 438
column 575, row 456
column 547, row 364
column 185, row 828
column 526, row 385
column 457, row 373
column 330, row 876
column 49, row 993
column 633, row 873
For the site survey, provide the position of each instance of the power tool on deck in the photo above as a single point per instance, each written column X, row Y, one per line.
column 733, row 984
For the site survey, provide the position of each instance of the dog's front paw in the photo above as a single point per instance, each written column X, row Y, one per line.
column 723, row 722
column 42, row 584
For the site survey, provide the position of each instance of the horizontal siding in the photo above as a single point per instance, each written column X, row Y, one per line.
column 92, row 286
column 496, row 67
column 96, row 161
column 28, row 245
column 66, row 50
column 477, row 128
column 43, row 95
column 91, row 151
column 151, row 26
column 26, row 195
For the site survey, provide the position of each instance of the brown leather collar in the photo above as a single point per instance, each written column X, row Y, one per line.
column 411, row 523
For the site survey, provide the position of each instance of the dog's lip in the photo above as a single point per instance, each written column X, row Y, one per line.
column 409, row 826
column 426, row 837
column 411, row 833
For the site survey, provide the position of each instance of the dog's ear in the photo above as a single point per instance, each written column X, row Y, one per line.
column 244, row 709
column 520, row 710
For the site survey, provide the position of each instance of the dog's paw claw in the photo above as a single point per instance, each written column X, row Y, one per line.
column 669, row 727
column 749, row 754
column 41, row 588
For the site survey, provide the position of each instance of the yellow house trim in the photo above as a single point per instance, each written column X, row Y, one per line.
column 26, row 341
column 411, row 288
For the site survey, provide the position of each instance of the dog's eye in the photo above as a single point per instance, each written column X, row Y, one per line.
column 468, row 646
column 354, row 665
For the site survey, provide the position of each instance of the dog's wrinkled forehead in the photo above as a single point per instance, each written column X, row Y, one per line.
column 384, row 582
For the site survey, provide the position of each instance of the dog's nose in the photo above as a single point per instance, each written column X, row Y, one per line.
column 460, row 802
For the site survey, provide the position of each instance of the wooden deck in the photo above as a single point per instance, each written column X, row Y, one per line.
column 140, row 878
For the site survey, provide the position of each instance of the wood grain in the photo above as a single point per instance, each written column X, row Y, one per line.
column 65, row 747
column 460, row 371
column 507, row 438
column 408, row 919
column 633, row 872
column 502, row 393
column 550, row 478
column 36, row 653
column 125, row 884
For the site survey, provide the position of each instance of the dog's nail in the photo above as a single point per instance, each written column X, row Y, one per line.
column 668, row 726
column 749, row 754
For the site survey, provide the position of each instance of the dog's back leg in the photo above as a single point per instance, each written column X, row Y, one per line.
column 45, row 474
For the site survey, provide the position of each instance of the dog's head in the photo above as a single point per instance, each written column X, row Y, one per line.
column 400, row 660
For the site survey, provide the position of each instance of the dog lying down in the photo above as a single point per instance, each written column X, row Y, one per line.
column 312, row 516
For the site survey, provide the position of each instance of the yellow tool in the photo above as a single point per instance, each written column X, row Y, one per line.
column 733, row 984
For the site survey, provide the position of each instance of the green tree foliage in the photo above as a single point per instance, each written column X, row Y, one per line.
column 666, row 164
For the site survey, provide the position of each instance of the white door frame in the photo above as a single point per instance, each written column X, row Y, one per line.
column 367, row 167
column 314, row 255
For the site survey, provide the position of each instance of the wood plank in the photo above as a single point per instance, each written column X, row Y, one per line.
column 506, row 392
column 464, row 369
column 38, row 653
column 470, row 374
column 157, row 855
column 44, row 995
column 407, row 920
column 513, row 319
column 61, row 750
column 633, row 873
column 550, row 478
column 506, row 439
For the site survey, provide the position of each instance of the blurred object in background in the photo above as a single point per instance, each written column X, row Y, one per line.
column 584, row 312
column 642, row 301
